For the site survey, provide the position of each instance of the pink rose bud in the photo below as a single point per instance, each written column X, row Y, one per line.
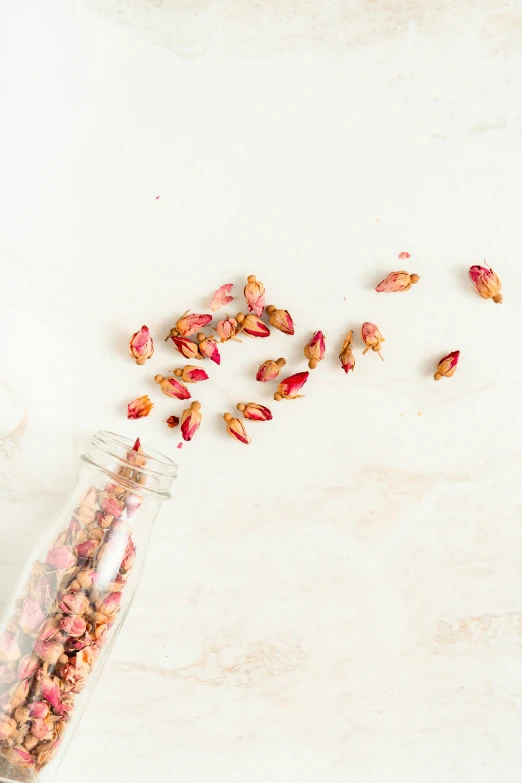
column 404, row 255
column 281, row 319
column 227, row 329
column 32, row 617
column 236, row 429
column 269, row 370
column 254, row 411
column 9, row 647
column 346, row 356
column 190, row 323
column 18, row 756
column 397, row 281
column 7, row 728
column 49, row 630
column 139, row 407
column 221, row 298
column 208, row 348
column 49, row 652
column 111, row 505
column 252, row 325
column 20, row 691
column 372, row 338
column 191, row 374
column 141, row 345
column 6, row 675
column 447, row 366
column 172, row 387
column 487, row 283
column 61, row 558
column 129, row 558
column 73, row 625
column 191, row 421
column 255, row 296
column 39, row 710
column 42, row 592
column 289, row 388
column 27, row 666
column 50, row 692
column 74, row 603
column 186, row 348
column 110, row 604
column 315, row 349
column 87, row 548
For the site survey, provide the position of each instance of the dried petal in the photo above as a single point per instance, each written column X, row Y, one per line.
column 315, row 350
column 61, row 558
column 269, row 370
column 27, row 667
column 227, row 329
column 190, row 421
column 346, row 356
column 208, row 348
column 255, row 296
column 221, row 298
column 18, row 756
column 397, row 281
column 88, row 548
column 254, row 411
column 372, row 338
column 191, row 374
column 141, row 345
column 236, row 429
column 191, row 323
column 48, row 752
column 447, row 366
column 43, row 593
column 129, row 557
column 172, row 421
column 252, row 325
column 139, row 407
column 32, row 616
column 287, row 389
column 7, row 728
column 487, row 283
column 404, row 255
column 173, row 388
column 187, row 348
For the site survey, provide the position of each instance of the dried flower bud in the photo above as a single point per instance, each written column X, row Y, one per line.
column 221, row 298
column 61, row 558
column 110, row 604
column 172, row 421
column 18, row 756
column 191, row 420
column 129, row 557
column 255, row 296
column 447, row 366
column 236, row 429
column 110, row 505
column 7, row 728
column 49, row 652
column 254, row 411
column 189, row 324
column 141, row 345
column 315, row 349
column 269, row 370
column 32, row 616
column 139, row 407
column 397, row 281
column 404, row 255
column 74, row 603
column 191, row 374
column 287, row 389
column 43, row 593
column 208, row 348
column 39, row 710
column 20, row 692
column 281, row 319
column 87, row 549
column 27, row 666
column 172, row 387
column 346, row 356
column 49, row 630
column 252, row 325
column 227, row 329
column 372, row 338
column 48, row 751
column 487, row 283
column 187, row 348
column 73, row 625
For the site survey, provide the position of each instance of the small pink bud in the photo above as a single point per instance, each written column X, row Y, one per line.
column 50, row 630
column 27, row 666
column 191, row 374
column 252, row 325
column 139, row 408
column 397, row 281
column 236, row 429
column 110, row 604
column 254, row 411
column 61, row 558
column 111, row 505
column 208, row 348
column 39, row 710
column 287, row 389
column 74, row 603
column 18, row 756
column 129, row 557
column 487, row 283
column 41, row 729
column 9, row 647
column 7, row 728
column 255, row 296
column 32, row 616
column 51, row 693
column 191, row 420
column 172, row 387
column 372, row 338
column 186, row 348
column 227, row 329
column 447, row 366
column 346, row 356
column 141, row 345
column 404, row 255
column 221, row 298
column 49, row 652
column 190, row 323
column 87, row 548
column 315, row 349
column 269, row 370
column 73, row 625
column 281, row 319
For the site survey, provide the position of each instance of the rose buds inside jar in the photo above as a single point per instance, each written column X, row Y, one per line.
column 252, row 325
column 281, row 319
column 487, row 283
column 227, row 329
column 372, row 338
column 397, row 281
column 190, row 324
column 191, row 374
column 221, row 297
column 186, row 347
column 346, row 356
column 255, row 296
column 208, row 348
column 447, row 366
column 254, row 411
column 287, row 389
column 173, row 388
column 269, row 370
column 191, row 420
column 315, row 350
column 236, row 429
column 141, row 345
column 139, row 408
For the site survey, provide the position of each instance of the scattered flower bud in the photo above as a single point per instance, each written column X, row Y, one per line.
column 287, row 389
column 187, row 348
column 221, row 298
column 397, row 281
column 191, row 374
column 191, row 420
column 208, row 348
column 141, row 345
column 404, row 255
column 447, row 366
column 32, row 617
column 227, row 329
column 172, row 387
column 61, row 558
column 269, row 370
column 346, row 356
column 111, row 505
column 372, row 338
column 486, row 282
column 253, row 411
column 252, row 325
column 139, row 407
column 42, row 592
column 7, row 728
column 190, row 324
column 255, row 296
column 172, row 421
column 236, row 429
column 27, row 667
column 18, row 756
column 281, row 319
column 315, row 349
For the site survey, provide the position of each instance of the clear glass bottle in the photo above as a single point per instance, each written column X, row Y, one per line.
column 72, row 598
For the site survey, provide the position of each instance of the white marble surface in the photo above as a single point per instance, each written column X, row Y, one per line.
column 343, row 600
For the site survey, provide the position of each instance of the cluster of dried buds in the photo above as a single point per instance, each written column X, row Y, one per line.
column 63, row 619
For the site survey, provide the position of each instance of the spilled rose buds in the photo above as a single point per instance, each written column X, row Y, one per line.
column 254, row 412
column 191, row 420
column 172, row 387
column 269, row 370
column 252, row 325
column 139, row 408
column 255, row 296
column 190, row 324
column 447, row 366
column 186, row 347
column 141, row 345
column 287, row 389
column 315, row 349
column 191, row 374
column 372, row 338
column 281, row 319
column 208, row 348
column 397, row 281
column 346, row 356
column 227, row 329
column 236, row 429
column 221, row 298
column 487, row 283
column 172, row 422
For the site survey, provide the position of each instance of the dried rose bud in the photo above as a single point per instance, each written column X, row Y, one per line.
column 315, row 349
column 32, row 616
column 221, row 298
column 22, row 714
column 191, row 420
column 173, row 388
column 269, row 370
column 87, row 578
column 139, row 407
column 61, row 558
column 236, row 429
column 49, row 630
column 73, row 625
column 141, row 345
column 110, row 505
column 254, row 411
column 227, row 329
column 49, row 651
column 281, row 319
column 191, row 374
column 189, row 324
column 48, row 751
column 397, row 281
column 346, row 356
column 20, row 692
column 487, row 283
column 372, row 338
column 447, row 366
column 110, row 604
column 187, row 348
column 172, row 422
column 27, row 667
column 208, row 348
column 287, row 389
column 18, row 756
column 39, row 710
column 129, row 557
column 7, row 728
column 74, row 603
column 87, row 549
column 255, row 296
column 252, row 325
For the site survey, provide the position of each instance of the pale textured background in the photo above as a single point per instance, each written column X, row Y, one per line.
column 345, row 603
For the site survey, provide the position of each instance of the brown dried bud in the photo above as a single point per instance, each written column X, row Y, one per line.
column 346, row 356
column 281, row 319
column 372, row 338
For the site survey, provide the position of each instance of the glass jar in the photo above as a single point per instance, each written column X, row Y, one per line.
column 70, row 602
